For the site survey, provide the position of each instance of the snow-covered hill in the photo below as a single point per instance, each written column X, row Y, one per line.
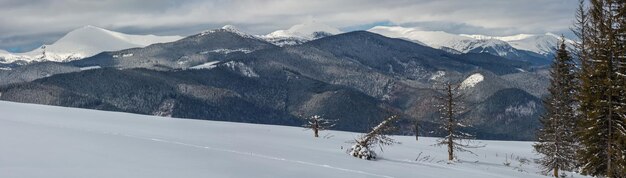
column 85, row 42
column 46, row 141
column 300, row 33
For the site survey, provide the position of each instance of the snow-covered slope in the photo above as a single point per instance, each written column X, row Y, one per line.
column 46, row 141
column 7, row 57
column 300, row 33
column 472, row 80
column 85, row 42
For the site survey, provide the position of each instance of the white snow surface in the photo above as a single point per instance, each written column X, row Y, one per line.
column 241, row 68
column 57, row 142
column 208, row 65
column 85, row 42
column 438, row 75
column 228, row 51
column 90, row 68
column 299, row 33
column 472, row 80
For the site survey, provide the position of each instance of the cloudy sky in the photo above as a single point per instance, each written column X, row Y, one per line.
column 26, row 24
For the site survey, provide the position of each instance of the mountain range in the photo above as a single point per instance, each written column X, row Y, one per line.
column 356, row 77
column 90, row 40
column 84, row 42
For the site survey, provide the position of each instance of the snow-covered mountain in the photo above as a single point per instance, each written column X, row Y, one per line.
column 53, row 142
column 300, row 33
column 84, row 42
column 512, row 47
column 443, row 40
column 231, row 29
column 184, row 53
column 543, row 44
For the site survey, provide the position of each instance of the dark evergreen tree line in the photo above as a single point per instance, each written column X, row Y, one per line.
column 598, row 136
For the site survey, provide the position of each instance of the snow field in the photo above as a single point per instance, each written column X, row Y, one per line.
column 48, row 141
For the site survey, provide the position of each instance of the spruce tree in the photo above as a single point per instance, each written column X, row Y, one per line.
column 556, row 140
column 602, row 129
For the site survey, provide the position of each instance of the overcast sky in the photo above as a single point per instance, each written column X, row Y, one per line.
column 26, row 24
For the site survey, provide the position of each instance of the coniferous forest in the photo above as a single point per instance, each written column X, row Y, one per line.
column 584, row 128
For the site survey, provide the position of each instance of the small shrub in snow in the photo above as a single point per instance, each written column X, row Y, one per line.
column 362, row 152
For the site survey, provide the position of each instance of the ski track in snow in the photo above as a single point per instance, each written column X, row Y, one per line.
column 257, row 155
column 217, row 149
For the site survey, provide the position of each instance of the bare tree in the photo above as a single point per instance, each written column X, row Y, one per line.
column 318, row 123
column 378, row 136
column 450, row 106
column 416, row 126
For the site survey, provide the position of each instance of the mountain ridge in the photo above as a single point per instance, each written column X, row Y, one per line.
column 529, row 47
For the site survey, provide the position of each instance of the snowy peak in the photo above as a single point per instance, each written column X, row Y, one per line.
column 503, row 38
column 543, row 44
column 519, row 47
column 300, row 33
column 229, row 29
column 85, row 42
column 443, row 40
column 90, row 40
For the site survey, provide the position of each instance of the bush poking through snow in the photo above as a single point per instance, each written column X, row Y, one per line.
column 362, row 152
column 363, row 147
column 317, row 123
